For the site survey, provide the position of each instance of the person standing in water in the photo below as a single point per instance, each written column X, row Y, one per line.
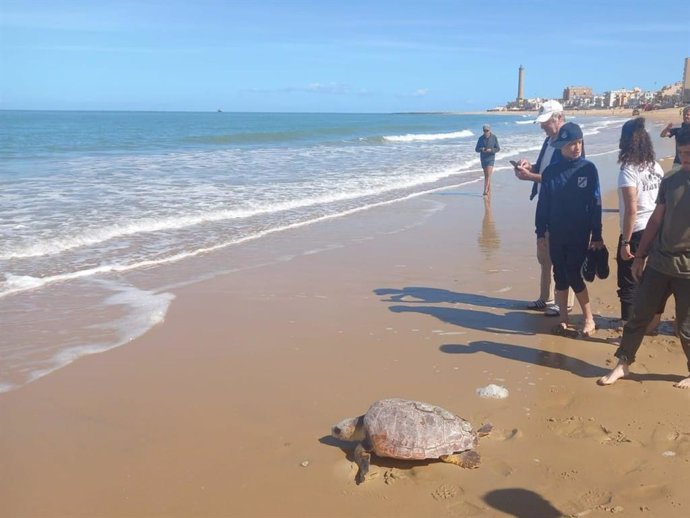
column 487, row 147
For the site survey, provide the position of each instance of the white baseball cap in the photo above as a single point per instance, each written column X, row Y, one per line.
column 547, row 110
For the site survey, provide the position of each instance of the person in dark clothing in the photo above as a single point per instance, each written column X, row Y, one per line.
column 487, row 147
column 669, row 131
column 569, row 209
column 662, row 263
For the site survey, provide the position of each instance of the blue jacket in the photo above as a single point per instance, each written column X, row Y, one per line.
column 569, row 205
column 556, row 157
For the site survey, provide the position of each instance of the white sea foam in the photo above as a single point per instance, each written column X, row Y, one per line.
column 422, row 137
column 351, row 189
column 144, row 309
column 6, row 387
column 33, row 282
column 493, row 391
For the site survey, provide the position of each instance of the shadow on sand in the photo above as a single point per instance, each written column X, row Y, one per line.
column 418, row 294
column 553, row 360
column 510, row 323
column 521, row 503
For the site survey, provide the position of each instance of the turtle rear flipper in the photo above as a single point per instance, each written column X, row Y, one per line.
column 362, row 458
column 467, row 459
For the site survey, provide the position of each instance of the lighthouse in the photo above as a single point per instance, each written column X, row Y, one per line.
column 521, row 84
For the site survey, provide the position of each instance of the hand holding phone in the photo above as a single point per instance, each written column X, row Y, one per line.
column 515, row 164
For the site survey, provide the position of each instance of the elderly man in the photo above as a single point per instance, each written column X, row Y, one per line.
column 551, row 119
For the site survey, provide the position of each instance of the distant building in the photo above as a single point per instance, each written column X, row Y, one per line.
column 686, row 81
column 572, row 93
column 582, row 97
column 617, row 98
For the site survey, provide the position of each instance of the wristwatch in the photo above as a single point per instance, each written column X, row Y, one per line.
column 625, row 242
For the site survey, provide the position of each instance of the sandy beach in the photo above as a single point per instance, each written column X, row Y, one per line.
column 224, row 410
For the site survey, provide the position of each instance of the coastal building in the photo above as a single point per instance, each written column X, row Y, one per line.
column 572, row 93
column 686, row 81
column 582, row 97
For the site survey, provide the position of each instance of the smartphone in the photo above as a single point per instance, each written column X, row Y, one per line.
column 515, row 164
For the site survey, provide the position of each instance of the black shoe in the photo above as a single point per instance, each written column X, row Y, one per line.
column 589, row 267
column 602, row 263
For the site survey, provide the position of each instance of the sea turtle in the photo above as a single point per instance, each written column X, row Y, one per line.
column 405, row 429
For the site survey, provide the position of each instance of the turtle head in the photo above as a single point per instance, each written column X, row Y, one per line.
column 349, row 429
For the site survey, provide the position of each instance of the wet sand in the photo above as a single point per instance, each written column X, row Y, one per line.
column 225, row 408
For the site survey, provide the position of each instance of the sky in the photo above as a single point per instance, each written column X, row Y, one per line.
column 368, row 56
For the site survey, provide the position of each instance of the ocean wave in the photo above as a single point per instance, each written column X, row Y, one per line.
column 424, row 137
column 16, row 284
column 354, row 189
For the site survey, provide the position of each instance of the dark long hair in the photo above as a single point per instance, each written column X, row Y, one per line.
column 635, row 145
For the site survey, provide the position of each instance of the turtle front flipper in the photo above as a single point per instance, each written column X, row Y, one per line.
column 362, row 458
column 467, row 459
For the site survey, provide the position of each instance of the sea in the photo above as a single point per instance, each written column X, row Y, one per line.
column 104, row 214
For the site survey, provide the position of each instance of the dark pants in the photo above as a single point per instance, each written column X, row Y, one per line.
column 567, row 259
column 627, row 286
column 652, row 292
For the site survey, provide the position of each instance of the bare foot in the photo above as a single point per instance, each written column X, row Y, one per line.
column 589, row 329
column 684, row 383
column 619, row 371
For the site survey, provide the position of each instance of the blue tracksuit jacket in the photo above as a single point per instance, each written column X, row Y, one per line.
column 569, row 205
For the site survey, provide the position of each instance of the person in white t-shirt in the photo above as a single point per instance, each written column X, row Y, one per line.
column 638, row 187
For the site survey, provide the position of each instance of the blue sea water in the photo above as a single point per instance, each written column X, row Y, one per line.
column 91, row 203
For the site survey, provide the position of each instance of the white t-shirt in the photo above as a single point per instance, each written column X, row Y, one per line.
column 546, row 159
column 646, row 179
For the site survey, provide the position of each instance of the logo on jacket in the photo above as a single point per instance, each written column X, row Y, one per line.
column 582, row 182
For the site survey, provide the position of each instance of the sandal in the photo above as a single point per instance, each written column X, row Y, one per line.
column 562, row 330
column 552, row 310
column 536, row 304
column 602, row 263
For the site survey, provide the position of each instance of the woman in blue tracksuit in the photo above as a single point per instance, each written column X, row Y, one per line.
column 569, row 208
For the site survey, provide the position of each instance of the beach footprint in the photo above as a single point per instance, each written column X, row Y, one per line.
column 671, row 443
column 578, row 428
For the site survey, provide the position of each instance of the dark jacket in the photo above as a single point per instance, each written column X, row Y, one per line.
column 491, row 142
column 556, row 157
column 569, row 205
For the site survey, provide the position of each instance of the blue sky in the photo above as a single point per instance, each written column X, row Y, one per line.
column 329, row 56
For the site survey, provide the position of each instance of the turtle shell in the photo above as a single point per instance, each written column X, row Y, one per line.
column 405, row 429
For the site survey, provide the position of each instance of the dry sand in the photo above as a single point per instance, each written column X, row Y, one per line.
column 224, row 410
